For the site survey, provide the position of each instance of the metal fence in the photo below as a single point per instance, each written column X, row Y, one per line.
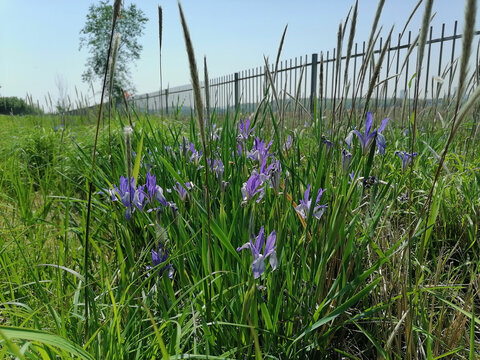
column 315, row 77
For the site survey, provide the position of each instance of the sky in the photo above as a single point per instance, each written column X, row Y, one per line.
column 39, row 39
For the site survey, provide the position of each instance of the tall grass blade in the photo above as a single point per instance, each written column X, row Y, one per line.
column 42, row 337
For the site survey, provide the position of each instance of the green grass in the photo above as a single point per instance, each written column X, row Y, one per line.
column 342, row 283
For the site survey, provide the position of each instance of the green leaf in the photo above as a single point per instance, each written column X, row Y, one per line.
column 9, row 333
column 339, row 310
column 224, row 239
column 411, row 79
column 138, row 158
column 266, row 316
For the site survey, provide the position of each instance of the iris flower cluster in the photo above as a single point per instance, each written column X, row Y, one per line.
column 368, row 137
column 260, row 151
column 136, row 198
column 265, row 173
column 160, row 257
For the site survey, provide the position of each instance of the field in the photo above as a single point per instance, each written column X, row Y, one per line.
column 242, row 236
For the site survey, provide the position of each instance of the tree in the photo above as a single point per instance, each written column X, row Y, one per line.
column 15, row 106
column 95, row 35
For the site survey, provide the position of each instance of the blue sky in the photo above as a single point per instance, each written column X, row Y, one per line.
column 39, row 38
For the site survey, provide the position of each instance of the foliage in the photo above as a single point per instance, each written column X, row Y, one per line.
column 95, row 36
column 15, row 106
column 331, row 275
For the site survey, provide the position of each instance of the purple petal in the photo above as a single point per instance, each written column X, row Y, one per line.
column 159, row 195
column 244, row 246
column 349, row 138
column 128, row 213
column 318, row 211
column 155, row 258
column 260, row 240
column 380, row 140
column 302, row 209
column 273, row 260
column 368, row 122
column 258, row 267
column 270, row 245
column 360, row 136
column 307, row 194
column 319, row 195
column 262, row 194
column 125, row 199
column 382, row 125
column 268, row 146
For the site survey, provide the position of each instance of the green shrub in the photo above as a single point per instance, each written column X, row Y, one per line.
column 15, row 106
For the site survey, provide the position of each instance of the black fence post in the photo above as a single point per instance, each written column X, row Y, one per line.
column 452, row 60
column 428, row 65
column 313, row 83
column 236, row 90
column 147, row 102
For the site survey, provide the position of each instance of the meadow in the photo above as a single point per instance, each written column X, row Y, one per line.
column 242, row 235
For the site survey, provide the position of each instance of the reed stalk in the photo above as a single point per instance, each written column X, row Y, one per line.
column 160, row 32
column 201, row 122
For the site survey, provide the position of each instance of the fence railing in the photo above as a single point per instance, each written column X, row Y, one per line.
column 307, row 81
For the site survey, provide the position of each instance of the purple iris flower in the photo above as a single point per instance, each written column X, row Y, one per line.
column 182, row 192
column 239, row 149
column 260, row 150
column 258, row 265
column 304, row 207
column 366, row 138
column 195, row 156
column 126, row 193
column 217, row 167
column 140, row 197
column 407, row 158
column 214, row 133
column 245, row 130
column 271, row 172
column 159, row 257
column 288, row 143
column 327, row 143
column 130, row 196
column 346, row 159
column 253, row 186
column 352, row 176
column 275, row 175
column 154, row 191
column 110, row 192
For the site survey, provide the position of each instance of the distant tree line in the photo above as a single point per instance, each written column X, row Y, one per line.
column 15, row 106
